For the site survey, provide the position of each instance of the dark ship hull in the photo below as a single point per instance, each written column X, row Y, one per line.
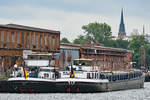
column 72, row 85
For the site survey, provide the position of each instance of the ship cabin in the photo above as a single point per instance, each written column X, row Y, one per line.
column 38, row 60
column 84, row 64
column 45, row 63
column 48, row 73
column 120, row 75
column 39, row 66
column 83, row 68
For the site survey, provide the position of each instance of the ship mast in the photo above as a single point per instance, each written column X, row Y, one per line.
column 143, row 50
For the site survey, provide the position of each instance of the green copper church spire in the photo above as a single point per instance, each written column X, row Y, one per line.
column 122, row 31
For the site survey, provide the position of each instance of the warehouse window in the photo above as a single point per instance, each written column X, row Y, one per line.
column 49, row 41
column 40, row 40
column 7, row 36
column 2, row 35
column 22, row 37
column 13, row 36
column 57, row 42
column 53, row 39
column 45, row 38
column 36, row 39
column 17, row 37
column 28, row 41
column 32, row 39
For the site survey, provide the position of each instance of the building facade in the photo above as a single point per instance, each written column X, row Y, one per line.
column 14, row 39
column 68, row 52
column 105, row 57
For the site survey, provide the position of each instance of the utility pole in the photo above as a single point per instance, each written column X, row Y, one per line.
column 143, row 50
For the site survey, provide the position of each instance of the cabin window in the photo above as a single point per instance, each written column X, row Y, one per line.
column 17, row 37
column 22, row 37
column 92, row 75
column 102, row 76
column 95, row 75
column 53, row 76
column 13, row 36
column 88, row 75
column 113, row 77
column 134, row 75
column 116, row 76
column 7, row 36
column 120, row 77
column 123, row 77
column 129, row 76
column 110, row 78
column 126, row 76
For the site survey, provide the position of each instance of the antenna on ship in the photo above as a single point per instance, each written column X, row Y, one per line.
column 143, row 49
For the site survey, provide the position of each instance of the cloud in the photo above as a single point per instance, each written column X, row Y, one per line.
column 68, row 23
column 68, row 16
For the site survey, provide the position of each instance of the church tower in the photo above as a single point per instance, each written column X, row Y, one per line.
column 121, row 33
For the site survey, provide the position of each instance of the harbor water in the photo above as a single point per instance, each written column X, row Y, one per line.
column 134, row 94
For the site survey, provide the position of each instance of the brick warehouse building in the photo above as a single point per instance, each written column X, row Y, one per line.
column 14, row 39
column 105, row 57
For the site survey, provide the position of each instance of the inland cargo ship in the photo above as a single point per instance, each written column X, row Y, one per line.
column 81, row 77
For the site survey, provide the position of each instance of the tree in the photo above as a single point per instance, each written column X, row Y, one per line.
column 135, row 45
column 80, row 40
column 64, row 40
column 111, row 43
column 148, row 56
column 122, row 43
column 97, row 32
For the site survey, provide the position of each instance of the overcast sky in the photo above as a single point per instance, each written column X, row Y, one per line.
column 68, row 16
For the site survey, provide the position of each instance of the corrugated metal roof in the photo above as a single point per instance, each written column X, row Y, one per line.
column 70, row 44
column 106, row 48
column 94, row 47
column 22, row 27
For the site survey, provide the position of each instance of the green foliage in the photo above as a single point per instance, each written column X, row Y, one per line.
column 110, row 43
column 135, row 45
column 148, row 56
column 80, row 40
column 101, row 33
column 64, row 40
column 116, row 43
column 122, row 43
column 97, row 32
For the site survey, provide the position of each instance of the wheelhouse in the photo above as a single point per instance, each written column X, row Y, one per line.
column 83, row 62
